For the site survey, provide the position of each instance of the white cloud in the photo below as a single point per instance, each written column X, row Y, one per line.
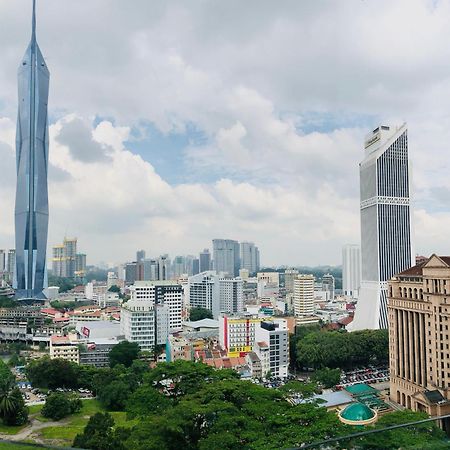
column 249, row 75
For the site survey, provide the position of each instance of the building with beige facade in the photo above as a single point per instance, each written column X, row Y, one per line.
column 65, row 347
column 304, row 295
column 418, row 313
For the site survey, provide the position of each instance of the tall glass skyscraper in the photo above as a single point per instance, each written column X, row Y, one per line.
column 386, row 231
column 226, row 256
column 31, row 212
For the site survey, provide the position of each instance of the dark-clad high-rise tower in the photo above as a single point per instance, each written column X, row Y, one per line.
column 31, row 212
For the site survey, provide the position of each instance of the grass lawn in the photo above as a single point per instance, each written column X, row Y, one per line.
column 5, row 429
column 33, row 409
column 76, row 423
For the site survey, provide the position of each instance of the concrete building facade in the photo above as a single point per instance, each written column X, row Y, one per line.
column 419, row 321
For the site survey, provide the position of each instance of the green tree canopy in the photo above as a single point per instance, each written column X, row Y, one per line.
column 99, row 434
column 199, row 314
column 328, row 378
column 59, row 405
column 124, row 353
column 52, row 373
column 339, row 349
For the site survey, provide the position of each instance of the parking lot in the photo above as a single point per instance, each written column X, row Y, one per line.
column 369, row 375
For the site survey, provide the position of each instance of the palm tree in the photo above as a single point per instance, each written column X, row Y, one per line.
column 8, row 399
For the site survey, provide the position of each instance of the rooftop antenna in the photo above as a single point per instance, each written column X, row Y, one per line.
column 33, row 23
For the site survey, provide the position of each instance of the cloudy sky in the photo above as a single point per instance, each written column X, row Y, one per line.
column 174, row 122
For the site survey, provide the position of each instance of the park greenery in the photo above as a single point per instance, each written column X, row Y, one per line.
column 314, row 348
column 198, row 313
column 194, row 406
column 124, row 353
column 59, row 405
column 12, row 406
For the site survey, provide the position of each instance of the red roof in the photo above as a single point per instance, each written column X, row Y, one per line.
column 50, row 311
column 346, row 320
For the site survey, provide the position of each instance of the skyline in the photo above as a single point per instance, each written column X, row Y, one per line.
column 201, row 145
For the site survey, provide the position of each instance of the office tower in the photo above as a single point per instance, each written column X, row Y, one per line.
column 205, row 260
column 151, row 270
column 137, row 323
column 304, row 295
column 178, row 266
column 351, row 270
column 31, row 210
column 226, row 257
column 169, row 293
column 328, row 286
column 418, row 312
column 202, row 291
column 231, row 295
column 249, row 254
column 140, row 255
column 386, row 240
column 130, row 272
column 195, row 266
column 289, row 277
column 11, row 265
column 164, row 267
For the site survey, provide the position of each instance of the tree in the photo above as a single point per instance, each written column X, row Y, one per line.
column 328, row 378
column 99, row 434
column 7, row 302
column 124, row 353
column 113, row 396
column 146, row 400
column 114, row 288
column 52, row 373
column 59, row 405
column 339, row 349
column 199, row 314
column 12, row 406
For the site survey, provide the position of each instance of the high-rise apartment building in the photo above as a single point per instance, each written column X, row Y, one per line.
column 11, row 265
column 66, row 262
column 137, row 323
column 31, row 209
column 231, row 295
column 205, row 261
column 226, row 256
column 2, row 261
column 80, row 266
column 328, row 286
column 249, row 257
column 304, row 295
column 351, row 270
column 419, row 322
column 386, row 237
